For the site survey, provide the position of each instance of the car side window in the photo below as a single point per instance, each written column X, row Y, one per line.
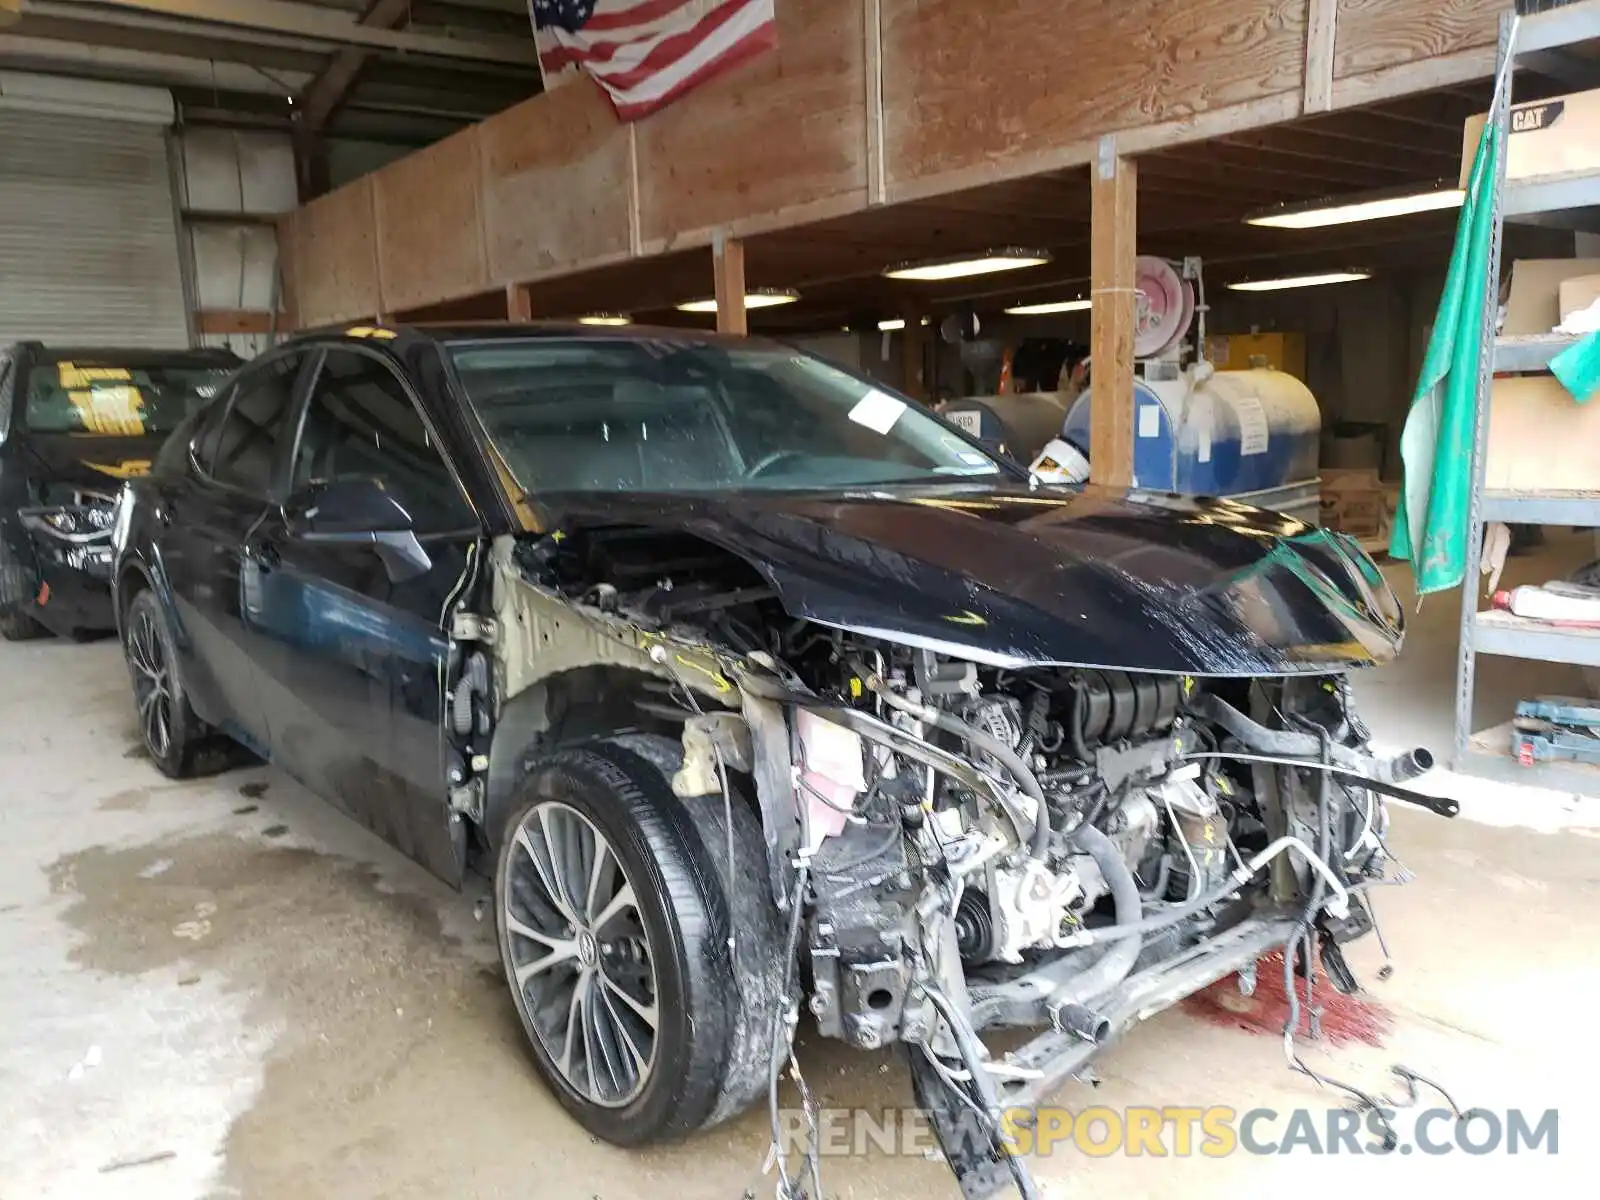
column 239, row 450
column 361, row 423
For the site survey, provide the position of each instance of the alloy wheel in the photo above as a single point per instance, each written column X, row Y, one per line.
column 580, row 955
column 152, row 688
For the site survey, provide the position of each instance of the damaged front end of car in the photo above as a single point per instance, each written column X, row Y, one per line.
column 968, row 826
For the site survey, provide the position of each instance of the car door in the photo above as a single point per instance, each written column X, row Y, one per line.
column 353, row 658
column 208, row 515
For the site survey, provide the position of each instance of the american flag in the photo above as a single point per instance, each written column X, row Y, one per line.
column 646, row 53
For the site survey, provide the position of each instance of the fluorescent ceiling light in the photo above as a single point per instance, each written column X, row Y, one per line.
column 892, row 324
column 1352, row 209
column 1050, row 306
column 605, row 319
column 987, row 263
column 761, row 298
column 1298, row 281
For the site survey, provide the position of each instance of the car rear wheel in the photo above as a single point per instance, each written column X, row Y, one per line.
column 171, row 731
column 614, row 919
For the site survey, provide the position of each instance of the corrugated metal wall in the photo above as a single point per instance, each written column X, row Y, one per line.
column 88, row 239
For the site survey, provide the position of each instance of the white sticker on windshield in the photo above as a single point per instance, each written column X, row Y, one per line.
column 877, row 411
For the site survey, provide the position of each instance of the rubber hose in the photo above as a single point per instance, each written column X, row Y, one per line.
column 1039, row 844
column 1113, row 966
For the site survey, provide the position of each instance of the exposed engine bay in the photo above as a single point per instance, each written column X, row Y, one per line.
column 954, row 844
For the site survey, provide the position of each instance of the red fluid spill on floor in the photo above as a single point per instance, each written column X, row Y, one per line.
column 1344, row 1018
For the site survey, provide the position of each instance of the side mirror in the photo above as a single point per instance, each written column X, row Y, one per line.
column 359, row 512
column 345, row 510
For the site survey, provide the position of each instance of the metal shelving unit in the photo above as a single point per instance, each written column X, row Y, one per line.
column 1488, row 752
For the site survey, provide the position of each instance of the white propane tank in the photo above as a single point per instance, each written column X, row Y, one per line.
column 1243, row 431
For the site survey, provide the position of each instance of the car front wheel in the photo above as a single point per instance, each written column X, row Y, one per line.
column 614, row 918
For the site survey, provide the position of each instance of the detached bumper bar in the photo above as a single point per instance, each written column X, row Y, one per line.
column 1057, row 1056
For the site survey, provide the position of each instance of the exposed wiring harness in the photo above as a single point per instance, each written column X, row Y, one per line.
column 784, row 1021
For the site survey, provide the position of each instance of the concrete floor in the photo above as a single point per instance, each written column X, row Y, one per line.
column 224, row 988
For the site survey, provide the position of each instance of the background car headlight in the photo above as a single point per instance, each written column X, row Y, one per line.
column 77, row 523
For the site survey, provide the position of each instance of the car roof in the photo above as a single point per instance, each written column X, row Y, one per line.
column 113, row 356
column 451, row 333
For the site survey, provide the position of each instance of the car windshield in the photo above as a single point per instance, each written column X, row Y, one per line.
column 594, row 415
column 115, row 401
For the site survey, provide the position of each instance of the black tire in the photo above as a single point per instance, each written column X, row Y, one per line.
column 16, row 590
column 708, row 1053
column 147, row 646
column 20, row 627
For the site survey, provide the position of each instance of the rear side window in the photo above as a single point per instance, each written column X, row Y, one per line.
column 241, row 449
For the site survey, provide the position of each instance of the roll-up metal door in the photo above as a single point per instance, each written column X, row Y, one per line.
column 88, row 237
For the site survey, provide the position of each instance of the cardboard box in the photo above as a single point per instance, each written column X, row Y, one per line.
column 1534, row 304
column 1577, row 294
column 1559, row 136
column 1354, row 501
column 1540, row 438
column 1350, row 479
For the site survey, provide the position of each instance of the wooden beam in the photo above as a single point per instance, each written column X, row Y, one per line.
column 1319, row 55
column 226, row 321
column 877, row 186
column 727, row 265
column 519, row 303
column 1113, row 205
column 914, row 354
column 321, row 98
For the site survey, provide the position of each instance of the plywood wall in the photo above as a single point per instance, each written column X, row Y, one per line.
column 968, row 85
column 556, row 184
column 1371, row 35
column 785, row 131
column 333, row 257
column 972, row 91
column 430, row 227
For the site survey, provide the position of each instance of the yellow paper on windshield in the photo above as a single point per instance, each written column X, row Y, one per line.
column 117, row 410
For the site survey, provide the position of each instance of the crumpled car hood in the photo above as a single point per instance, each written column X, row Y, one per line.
column 1139, row 582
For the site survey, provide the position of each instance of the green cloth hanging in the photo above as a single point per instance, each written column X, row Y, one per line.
column 1430, row 528
column 1578, row 368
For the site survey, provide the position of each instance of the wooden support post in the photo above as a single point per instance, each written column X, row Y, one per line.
column 519, row 303
column 1113, row 217
column 727, row 264
column 914, row 353
column 1320, row 21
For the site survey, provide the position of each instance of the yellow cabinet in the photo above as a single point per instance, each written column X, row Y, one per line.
column 1239, row 352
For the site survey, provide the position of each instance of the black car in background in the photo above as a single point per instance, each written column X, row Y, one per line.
column 75, row 423
column 759, row 689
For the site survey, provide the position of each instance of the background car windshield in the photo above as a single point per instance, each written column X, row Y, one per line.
column 576, row 415
column 115, row 401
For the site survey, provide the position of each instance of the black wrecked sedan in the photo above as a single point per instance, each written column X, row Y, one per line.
column 758, row 689
column 74, row 423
